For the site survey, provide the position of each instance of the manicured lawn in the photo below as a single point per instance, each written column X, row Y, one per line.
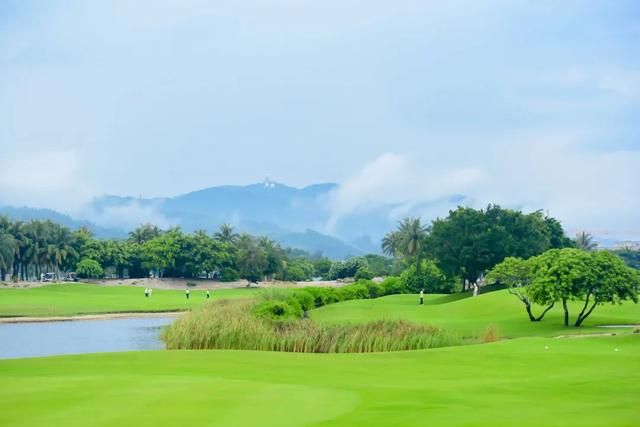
column 472, row 316
column 72, row 299
column 575, row 382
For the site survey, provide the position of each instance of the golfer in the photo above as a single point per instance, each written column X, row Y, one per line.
column 208, row 295
column 421, row 296
column 187, row 293
column 146, row 292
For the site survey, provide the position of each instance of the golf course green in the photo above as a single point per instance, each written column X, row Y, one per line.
column 523, row 382
column 471, row 316
column 533, row 379
column 75, row 299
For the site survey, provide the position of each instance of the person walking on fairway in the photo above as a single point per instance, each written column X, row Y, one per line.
column 187, row 293
column 421, row 296
column 146, row 292
column 208, row 295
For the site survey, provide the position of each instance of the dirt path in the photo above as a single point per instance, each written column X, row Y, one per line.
column 601, row 334
column 172, row 283
column 105, row 316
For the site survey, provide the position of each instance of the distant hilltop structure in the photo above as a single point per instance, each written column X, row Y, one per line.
column 268, row 183
column 628, row 245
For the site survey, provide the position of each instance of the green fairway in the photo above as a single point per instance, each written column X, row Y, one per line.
column 73, row 299
column 575, row 382
column 472, row 316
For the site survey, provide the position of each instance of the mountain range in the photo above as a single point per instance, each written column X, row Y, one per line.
column 295, row 217
column 303, row 218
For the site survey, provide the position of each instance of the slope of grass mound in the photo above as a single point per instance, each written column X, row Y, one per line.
column 228, row 324
column 472, row 316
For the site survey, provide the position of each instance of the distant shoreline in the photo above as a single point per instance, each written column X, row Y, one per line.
column 103, row 316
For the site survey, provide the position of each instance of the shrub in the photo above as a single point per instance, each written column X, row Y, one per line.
column 355, row 291
column 428, row 277
column 348, row 268
column 363, row 274
column 89, row 269
column 278, row 310
column 191, row 284
column 490, row 335
column 229, row 275
column 393, row 286
column 374, row 290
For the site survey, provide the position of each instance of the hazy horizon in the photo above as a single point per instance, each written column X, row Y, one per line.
column 521, row 103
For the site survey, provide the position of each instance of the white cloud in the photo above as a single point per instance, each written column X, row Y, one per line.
column 584, row 188
column 129, row 216
column 397, row 179
column 43, row 178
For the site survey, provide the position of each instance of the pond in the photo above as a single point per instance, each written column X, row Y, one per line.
column 81, row 336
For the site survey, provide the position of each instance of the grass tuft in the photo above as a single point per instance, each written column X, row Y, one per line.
column 232, row 325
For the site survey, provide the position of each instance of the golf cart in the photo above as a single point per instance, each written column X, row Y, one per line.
column 48, row 277
column 70, row 277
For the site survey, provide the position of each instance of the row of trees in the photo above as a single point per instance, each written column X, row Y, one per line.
column 563, row 275
column 469, row 242
column 28, row 249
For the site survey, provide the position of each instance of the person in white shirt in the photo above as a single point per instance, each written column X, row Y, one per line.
column 421, row 296
column 146, row 292
column 208, row 295
column 150, row 291
column 187, row 293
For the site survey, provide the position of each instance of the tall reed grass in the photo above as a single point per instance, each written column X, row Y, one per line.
column 229, row 324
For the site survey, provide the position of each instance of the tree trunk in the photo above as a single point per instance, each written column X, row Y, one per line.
column 566, row 312
column 539, row 318
column 528, row 307
column 582, row 317
column 584, row 307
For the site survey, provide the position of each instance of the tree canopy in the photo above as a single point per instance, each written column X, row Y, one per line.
column 563, row 275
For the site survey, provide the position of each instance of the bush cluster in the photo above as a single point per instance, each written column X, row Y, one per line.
column 429, row 277
column 281, row 304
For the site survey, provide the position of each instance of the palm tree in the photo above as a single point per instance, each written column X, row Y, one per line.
column 411, row 235
column 18, row 230
column 390, row 243
column 7, row 250
column 61, row 247
column 226, row 234
column 585, row 241
column 144, row 233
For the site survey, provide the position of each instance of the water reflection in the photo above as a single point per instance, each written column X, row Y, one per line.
column 81, row 336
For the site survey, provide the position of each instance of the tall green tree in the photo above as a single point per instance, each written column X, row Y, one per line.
column 517, row 275
column 226, row 234
column 608, row 280
column 411, row 235
column 470, row 242
column 391, row 243
column 144, row 233
column 160, row 253
column 558, row 275
column 7, row 251
column 252, row 261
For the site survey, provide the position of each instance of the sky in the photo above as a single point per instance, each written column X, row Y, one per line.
column 529, row 104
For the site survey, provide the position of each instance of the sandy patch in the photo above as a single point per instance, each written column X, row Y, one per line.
column 175, row 283
column 601, row 334
column 89, row 317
